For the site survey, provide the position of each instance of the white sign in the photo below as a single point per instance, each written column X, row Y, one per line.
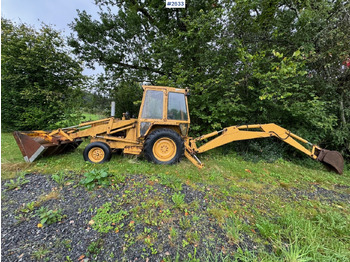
column 175, row 4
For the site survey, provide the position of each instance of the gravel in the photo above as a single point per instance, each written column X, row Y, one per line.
column 74, row 239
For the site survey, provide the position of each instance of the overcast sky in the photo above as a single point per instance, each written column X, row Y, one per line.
column 58, row 13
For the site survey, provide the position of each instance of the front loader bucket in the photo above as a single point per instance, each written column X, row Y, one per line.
column 34, row 145
column 332, row 159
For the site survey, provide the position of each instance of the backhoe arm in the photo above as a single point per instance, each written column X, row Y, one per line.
column 245, row 132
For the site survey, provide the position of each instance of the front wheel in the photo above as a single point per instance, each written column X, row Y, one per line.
column 164, row 146
column 97, row 153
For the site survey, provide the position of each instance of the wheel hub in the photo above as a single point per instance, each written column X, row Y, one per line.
column 164, row 149
column 96, row 154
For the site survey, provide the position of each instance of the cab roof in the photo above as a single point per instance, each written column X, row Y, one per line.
column 168, row 88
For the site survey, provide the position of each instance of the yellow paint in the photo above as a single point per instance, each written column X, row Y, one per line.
column 96, row 154
column 164, row 149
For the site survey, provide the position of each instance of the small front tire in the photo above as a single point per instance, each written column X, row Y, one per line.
column 97, row 153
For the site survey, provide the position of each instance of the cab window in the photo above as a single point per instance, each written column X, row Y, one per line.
column 153, row 105
column 177, row 106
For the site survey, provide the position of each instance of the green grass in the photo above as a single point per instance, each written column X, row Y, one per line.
column 273, row 204
column 92, row 117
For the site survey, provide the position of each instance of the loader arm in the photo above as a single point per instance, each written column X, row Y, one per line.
column 46, row 143
column 246, row 132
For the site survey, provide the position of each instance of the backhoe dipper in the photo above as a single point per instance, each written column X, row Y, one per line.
column 160, row 132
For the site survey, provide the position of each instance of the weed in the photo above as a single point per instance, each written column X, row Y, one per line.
column 59, row 178
column 184, row 243
column 153, row 251
column 192, row 237
column 335, row 222
column 185, row 223
column 192, row 257
column 40, row 253
column 167, row 212
column 50, row 216
column 96, row 177
column 267, row 229
column 129, row 240
column 195, row 218
column 294, row 251
column 22, row 218
column 66, row 243
column 211, row 256
column 147, row 230
column 68, row 259
column 148, row 241
column 16, row 183
column 117, row 179
column 232, row 227
column 173, row 234
column 171, row 181
column 94, row 248
column 26, row 211
column 247, row 256
column 29, row 207
column 218, row 213
column 106, row 220
column 178, row 199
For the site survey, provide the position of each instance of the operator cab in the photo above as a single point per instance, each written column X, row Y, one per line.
column 164, row 106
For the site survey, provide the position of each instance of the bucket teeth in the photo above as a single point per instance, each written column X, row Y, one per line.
column 332, row 159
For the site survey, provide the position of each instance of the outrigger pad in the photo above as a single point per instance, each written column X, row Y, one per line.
column 333, row 159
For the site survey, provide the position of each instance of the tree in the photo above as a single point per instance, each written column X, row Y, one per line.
column 40, row 81
column 246, row 61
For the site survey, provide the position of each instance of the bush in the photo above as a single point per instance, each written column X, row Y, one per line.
column 40, row 81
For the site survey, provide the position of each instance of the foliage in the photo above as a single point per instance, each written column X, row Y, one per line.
column 94, row 248
column 178, row 199
column 16, row 183
column 245, row 61
column 96, row 177
column 127, row 95
column 233, row 227
column 40, row 81
column 49, row 216
column 59, row 178
column 105, row 218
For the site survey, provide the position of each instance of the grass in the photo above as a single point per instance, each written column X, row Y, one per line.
column 278, row 204
column 92, row 117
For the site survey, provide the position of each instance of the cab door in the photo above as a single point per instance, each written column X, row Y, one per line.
column 152, row 109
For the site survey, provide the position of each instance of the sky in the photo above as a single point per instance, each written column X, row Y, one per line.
column 57, row 13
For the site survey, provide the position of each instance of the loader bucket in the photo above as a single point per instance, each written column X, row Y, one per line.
column 332, row 159
column 34, row 145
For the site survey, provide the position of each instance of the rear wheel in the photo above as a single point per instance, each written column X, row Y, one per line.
column 97, row 153
column 164, row 146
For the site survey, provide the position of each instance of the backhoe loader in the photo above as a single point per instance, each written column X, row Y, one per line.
column 160, row 133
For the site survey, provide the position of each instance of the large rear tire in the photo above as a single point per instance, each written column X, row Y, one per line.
column 164, row 146
column 97, row 153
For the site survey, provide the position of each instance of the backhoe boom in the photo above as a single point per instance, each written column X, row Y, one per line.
column 246, row 132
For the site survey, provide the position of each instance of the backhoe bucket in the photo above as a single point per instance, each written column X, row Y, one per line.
column 36, row 144
column 332, row 159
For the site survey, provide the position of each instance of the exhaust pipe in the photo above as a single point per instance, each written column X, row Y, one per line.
column 113, row 108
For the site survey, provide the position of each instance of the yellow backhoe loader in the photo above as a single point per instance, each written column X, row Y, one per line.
column 160, row 133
